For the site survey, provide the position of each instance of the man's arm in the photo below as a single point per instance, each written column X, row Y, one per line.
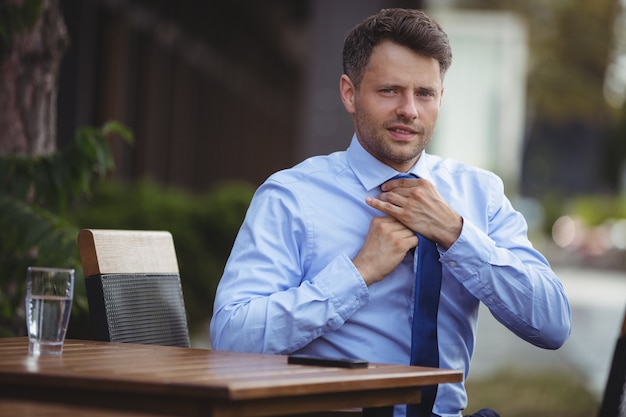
column 416, row 203
column 495, row 262
column 386, row 245
column 268, row 300
column 265, row 302
column 516, row 283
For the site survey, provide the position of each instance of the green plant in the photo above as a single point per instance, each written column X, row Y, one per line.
column 35, row 192
column 597, row 209
column 519, row 394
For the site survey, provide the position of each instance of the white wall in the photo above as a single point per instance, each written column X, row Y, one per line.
column 482, row 118
column 483, row 112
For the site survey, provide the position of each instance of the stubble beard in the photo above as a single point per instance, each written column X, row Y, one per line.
column 374, row 140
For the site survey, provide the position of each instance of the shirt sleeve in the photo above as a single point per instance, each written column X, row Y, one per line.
column 267, row 301
column 495, row 261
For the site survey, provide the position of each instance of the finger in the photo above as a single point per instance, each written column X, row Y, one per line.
column 384, row 206
column 394, row 198
column 384, row 219
column 413, row 240
column 399, row 183
column 407, row 239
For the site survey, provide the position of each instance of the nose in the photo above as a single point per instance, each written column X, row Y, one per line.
column 407, row 107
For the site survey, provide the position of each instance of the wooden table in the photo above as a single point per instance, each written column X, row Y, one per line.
column 198, row 382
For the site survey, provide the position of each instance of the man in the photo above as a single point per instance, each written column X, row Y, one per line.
column 324, row 261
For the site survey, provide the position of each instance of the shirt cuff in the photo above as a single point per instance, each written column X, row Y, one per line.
column 344, row 286
column 468, row 254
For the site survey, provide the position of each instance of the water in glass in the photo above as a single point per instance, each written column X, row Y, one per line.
column 48, row 306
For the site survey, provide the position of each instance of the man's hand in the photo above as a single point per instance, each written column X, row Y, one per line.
column 418, row 205
column 386, row 245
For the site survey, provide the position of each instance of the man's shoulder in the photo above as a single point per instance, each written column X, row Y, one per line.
column 447, row 167
column 313, row 167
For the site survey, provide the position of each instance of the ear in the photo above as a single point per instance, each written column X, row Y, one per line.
column 441, row 96
column 348, row 93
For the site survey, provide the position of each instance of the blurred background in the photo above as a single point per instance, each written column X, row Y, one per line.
column 159, row 114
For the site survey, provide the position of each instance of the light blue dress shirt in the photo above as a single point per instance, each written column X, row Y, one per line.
column 290, row 285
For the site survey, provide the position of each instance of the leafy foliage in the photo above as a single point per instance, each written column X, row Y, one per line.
column 521, row 394
column 596, row 210
column 570, row 45
column 34, row 196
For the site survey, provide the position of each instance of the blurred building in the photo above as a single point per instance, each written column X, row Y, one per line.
column 213, row 90
column 483, row 115
column 218, row 90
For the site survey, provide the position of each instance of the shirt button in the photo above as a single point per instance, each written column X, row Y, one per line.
column 452, row 264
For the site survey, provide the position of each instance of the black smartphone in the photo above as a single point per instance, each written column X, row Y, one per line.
column 335, row 362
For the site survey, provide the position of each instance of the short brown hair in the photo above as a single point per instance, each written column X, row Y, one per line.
column 407, row 27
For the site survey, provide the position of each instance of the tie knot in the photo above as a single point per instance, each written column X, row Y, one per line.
column 404, row 175
column 400, row 176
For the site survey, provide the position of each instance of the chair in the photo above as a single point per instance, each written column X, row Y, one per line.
column 133, row 287
column 614, row 399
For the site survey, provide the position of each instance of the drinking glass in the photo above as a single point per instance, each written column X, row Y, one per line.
column 49, row 293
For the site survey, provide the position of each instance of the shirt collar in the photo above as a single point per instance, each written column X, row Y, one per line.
column 371, row 172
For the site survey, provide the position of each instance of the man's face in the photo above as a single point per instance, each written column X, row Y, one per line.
column 396, row 106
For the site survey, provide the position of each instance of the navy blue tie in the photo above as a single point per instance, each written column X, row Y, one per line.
column 424, row 345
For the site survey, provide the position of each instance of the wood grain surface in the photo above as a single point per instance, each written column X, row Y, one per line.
column 183, row 381
column 126, row 251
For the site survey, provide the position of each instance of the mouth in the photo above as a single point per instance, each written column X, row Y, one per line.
column 403, row 132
